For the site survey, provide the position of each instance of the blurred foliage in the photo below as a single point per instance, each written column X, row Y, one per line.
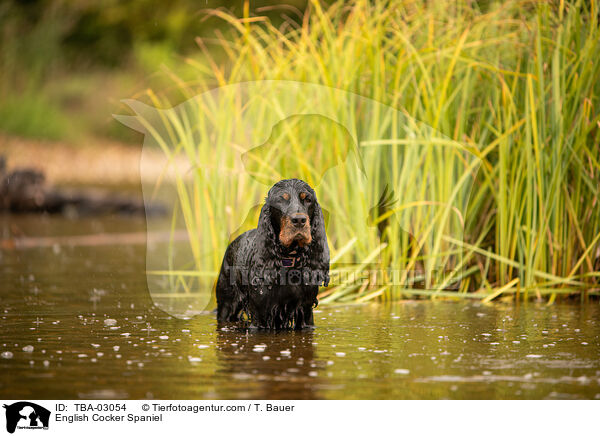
column 106, row 32
column 108, row 49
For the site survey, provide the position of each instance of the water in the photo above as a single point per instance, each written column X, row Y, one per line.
column 78, row 322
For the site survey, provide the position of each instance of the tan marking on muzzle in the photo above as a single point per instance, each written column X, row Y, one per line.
column 289, row 233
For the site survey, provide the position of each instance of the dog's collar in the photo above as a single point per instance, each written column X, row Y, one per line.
column 291, row 261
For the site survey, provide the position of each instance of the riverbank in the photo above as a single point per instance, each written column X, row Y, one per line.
column 95, row 162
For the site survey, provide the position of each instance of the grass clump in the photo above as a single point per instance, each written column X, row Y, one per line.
column 510, row 89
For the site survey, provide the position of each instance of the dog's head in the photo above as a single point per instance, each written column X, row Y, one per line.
column 291, row 219
column 293, row 208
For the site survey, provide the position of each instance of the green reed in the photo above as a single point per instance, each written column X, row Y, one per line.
column 515, row 84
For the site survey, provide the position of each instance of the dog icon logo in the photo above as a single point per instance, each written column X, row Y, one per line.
column 394, row 192
column 26, row 415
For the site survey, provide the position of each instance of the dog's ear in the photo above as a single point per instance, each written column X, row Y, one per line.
column 319, row 249
column 267, row 252
column 265, row 229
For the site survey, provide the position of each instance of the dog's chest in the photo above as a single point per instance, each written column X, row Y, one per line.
column 289, row 293
column 288, row 287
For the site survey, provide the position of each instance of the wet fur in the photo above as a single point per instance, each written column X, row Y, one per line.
column 250, row 278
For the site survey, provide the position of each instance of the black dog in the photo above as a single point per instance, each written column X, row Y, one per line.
column 273, row 273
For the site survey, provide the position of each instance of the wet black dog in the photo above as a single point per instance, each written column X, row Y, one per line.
column 273, row 273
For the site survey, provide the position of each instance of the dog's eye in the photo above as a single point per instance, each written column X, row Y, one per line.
column 305, row 197
column 286, row 196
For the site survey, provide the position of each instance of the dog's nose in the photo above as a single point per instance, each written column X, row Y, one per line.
column 299, row 220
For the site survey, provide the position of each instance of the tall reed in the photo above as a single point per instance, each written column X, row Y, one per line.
column 513, row 84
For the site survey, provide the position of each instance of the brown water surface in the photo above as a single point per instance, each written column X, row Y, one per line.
column 78, row 322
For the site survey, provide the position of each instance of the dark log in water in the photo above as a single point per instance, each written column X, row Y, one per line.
column 25, row 191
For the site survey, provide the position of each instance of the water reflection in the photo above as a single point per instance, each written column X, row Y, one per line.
column 268, row 365
column 78, row 322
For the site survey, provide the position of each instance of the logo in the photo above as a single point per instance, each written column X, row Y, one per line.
column 26, row 415
column 393, row 196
